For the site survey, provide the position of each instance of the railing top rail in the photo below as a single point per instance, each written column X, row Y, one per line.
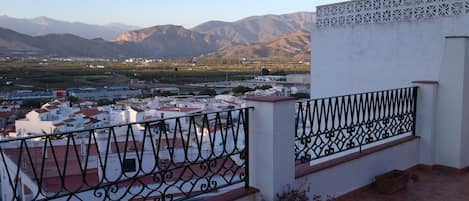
column 120, row 125
column 355, row 94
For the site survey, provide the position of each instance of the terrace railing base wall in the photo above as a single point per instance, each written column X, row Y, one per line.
column 354, row 174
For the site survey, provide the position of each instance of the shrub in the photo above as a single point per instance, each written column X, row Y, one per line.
column 301, row 96
column 208, row 91
column 263, row 87
column 293, row 195
column 241, row 89
column 299, row 193
column 103, row 102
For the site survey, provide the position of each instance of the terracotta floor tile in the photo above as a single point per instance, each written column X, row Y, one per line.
column 431, row 186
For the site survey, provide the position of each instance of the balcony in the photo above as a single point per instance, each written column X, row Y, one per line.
column 214, row 155
column 333, row 145
column 168, row 159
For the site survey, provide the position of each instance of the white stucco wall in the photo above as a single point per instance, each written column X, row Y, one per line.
column 114, row 171
column 452, row 111
column 359, row 58
column 24, row 127
column 357, row 173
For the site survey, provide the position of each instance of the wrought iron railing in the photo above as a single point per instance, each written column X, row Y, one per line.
column 168, row 159
column 332, row 125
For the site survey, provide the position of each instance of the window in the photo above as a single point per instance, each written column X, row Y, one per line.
column 129, row 165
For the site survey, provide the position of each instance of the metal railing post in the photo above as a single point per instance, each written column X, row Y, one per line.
column 246, row 146
column 414, row 112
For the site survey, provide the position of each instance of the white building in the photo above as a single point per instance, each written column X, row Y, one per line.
column 276, row 90
column 368, row 45
column 271, row 78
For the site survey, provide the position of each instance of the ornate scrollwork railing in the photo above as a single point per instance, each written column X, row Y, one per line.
column 167, row 159
column 332, row 125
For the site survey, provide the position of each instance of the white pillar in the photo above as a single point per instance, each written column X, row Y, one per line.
column 452, row 114
column 425, row 122
column 271, row 144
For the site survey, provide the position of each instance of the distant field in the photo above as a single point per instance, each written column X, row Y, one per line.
column 68, row 74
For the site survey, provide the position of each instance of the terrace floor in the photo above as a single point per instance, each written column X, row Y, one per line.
column 431, row 185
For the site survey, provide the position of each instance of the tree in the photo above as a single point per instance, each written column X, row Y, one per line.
column 265, row 71
column 32, row 103
column 103, row 102
column 208, row 91
column 241, row 89
column 301, row 95
column 263, row 87
column 166, row 93
column 72, row 99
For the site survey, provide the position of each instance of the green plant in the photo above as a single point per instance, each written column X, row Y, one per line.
column 72, row 99
column 241, row 89
column 300, row 193
column 293, row 194
column 208, row 91
column 301, row 96
column 263, row 87
column 33, row 103
column 103, row 102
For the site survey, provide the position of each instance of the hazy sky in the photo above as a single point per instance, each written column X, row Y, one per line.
column 153, row 12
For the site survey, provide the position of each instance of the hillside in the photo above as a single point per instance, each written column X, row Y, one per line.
column 171, row 41
column 258, row 28
column 295, row 45
column 14, row 43
column 253, row 37
column 43, row 25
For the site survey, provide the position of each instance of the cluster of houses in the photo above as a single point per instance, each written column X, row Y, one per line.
column 106, row 93
column 62, row 116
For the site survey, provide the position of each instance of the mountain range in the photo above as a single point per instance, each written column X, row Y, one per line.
column 259, row 36
column 295, row 45
column 258, row 28
column 43, row 25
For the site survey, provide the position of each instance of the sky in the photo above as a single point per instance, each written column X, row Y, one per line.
column 146, row 13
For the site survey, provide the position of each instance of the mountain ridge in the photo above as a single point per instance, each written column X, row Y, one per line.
column 290, row 45
column 257, row 29
column 249, row 35
column 43, row 25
